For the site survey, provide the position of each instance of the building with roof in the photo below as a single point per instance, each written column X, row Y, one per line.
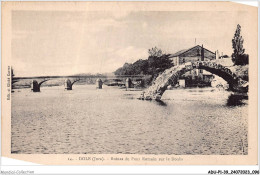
column 197, row 53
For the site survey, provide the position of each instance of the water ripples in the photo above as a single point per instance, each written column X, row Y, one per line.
column 113, row 121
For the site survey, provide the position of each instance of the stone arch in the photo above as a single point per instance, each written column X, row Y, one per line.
column 171, row 76
column 35, row 86
column 68, row 84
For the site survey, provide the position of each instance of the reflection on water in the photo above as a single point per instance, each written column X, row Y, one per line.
column 160, row 102
column 236, row 99
column 112, row 121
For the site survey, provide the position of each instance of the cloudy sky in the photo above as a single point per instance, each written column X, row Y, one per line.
column 65, row 42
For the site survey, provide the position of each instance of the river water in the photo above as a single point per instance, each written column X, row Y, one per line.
column 85, row 120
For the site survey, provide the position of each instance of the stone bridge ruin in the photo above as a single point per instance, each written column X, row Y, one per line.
column 171, row 76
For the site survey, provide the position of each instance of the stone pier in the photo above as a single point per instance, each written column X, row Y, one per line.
column 35, row 86
column 128, row 83
column 68, row 84
column 99, row 83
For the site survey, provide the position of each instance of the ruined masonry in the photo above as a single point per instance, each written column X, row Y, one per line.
column 171, row 76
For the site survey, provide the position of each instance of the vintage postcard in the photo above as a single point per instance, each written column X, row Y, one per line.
column 130, row 83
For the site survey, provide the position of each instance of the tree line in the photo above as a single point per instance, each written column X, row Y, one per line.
column 156, row 63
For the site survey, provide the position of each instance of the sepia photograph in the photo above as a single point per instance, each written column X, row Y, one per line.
column 131, row 80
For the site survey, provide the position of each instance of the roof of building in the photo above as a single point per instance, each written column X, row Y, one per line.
column 179, row 53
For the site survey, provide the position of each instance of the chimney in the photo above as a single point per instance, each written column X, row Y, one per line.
column 202, row 53
column 217, row 55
